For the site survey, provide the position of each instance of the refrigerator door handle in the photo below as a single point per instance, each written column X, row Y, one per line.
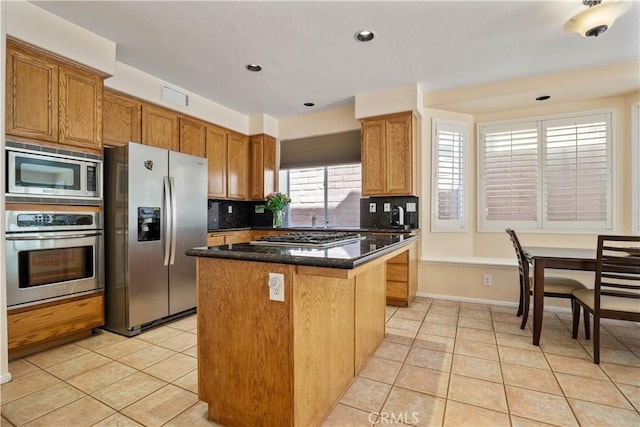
column 174, row 218
column 168, row 220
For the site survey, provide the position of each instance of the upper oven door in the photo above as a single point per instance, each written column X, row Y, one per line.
column 42, row 266
column 44, row 175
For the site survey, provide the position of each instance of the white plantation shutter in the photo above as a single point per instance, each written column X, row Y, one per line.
column 448, row 185
column 635, row 163
column 552, row 174
column 509, row 175
column 577, row 181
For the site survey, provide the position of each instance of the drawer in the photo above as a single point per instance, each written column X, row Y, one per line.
column 397, row 272
column 215, row 240
column 237, row 237
column 397, row 290
column 402, row 258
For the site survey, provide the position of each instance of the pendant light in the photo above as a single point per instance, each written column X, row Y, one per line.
column 599, row 17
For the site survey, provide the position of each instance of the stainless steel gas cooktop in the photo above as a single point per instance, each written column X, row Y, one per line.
column 309, row 239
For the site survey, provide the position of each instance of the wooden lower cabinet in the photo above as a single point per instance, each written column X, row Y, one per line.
column 30, row 329
column 402, row 278
column 264, row 362
column 217, row 238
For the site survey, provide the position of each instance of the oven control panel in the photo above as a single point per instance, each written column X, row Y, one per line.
column 22, row 221
column 53, row 219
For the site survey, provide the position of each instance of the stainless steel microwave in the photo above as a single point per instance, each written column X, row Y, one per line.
column 57, row 175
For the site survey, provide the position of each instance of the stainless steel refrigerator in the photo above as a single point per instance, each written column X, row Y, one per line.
column 155, row 209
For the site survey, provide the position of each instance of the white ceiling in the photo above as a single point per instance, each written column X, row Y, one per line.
column 309, row 54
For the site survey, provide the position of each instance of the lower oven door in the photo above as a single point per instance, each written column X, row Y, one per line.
column 51, row 265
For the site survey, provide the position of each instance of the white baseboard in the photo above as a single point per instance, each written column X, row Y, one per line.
column 5, row 378
column 547, row 307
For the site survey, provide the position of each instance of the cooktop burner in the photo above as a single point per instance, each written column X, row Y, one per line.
column 318, row 240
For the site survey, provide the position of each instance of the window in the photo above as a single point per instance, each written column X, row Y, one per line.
column 448, row 184
column 550, row 174
column 330, row 193
column 635, row 152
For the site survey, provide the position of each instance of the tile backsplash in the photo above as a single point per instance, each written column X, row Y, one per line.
column 235, row 214
column 382, row 219
column 239, row 214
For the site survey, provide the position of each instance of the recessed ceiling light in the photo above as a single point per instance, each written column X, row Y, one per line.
column 364, row 36
column 543, row 98
column 309, row 104
column 254, row 67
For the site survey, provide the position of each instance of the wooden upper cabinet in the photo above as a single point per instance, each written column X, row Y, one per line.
column 399, row 154
column 237, row 166
column 373, row 157
column 121, row 119
column 80, row 112
column 193, row 137
column 31, row 95
column 160, row 127
column 50, row 99
column 388, row 158
column 263, row 166
column 216, row 147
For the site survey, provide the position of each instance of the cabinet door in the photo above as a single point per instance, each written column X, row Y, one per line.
column 256, row 184
column 399, row 155
column 269, row 166
column 160, row 127
column 32, row 95
column 80, row 112
column 237, row 166
column 216, row 142
column 192, row 137
column 121, row 119
column 373, row 157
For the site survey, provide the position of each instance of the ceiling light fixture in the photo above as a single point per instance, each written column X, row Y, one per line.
column 309, row 104
column 598, row 18
column 254, row 67
column 543, row 98
column 364, row 36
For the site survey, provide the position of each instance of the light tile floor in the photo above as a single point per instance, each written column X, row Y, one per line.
column 442, row 363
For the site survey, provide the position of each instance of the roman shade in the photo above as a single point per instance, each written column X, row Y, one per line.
column 324, row 150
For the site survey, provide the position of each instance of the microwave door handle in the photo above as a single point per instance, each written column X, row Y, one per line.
column 41, row 237
column 174, row 221
column 167, row 220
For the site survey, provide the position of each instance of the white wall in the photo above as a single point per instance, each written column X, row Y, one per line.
column 38, row 27
column 455, row 262
column 4, row 365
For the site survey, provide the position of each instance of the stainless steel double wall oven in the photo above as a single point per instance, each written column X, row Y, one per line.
column 58, row 251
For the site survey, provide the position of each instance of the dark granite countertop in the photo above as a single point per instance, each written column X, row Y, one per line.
column 317, row 229
column 345, row 256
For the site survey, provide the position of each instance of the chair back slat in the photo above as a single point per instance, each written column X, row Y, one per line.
column 617, row 268
column 523, row 266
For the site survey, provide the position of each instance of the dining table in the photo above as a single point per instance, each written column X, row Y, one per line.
column 557, row 258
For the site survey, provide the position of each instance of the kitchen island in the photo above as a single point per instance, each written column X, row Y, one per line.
column 285, row 363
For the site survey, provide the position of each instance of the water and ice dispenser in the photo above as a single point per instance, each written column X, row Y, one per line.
column 148, row 224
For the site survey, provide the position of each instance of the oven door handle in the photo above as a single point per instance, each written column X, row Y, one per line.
column 71, row 236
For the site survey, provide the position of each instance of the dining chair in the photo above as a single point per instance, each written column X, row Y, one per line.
column 616, row 294
column 554, row 286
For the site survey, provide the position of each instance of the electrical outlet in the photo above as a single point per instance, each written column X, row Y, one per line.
column 259, row 209
column 372, row 208
column 229, row 209
column 276, row 286
column 411, row 207
column 387, row 207
column 486, row 280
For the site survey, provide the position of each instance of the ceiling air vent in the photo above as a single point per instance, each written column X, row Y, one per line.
column 175, row 96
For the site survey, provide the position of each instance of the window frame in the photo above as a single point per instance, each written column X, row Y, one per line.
column 450, row 225
column 285, row 177
column 541, row 224
column 635, row 167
